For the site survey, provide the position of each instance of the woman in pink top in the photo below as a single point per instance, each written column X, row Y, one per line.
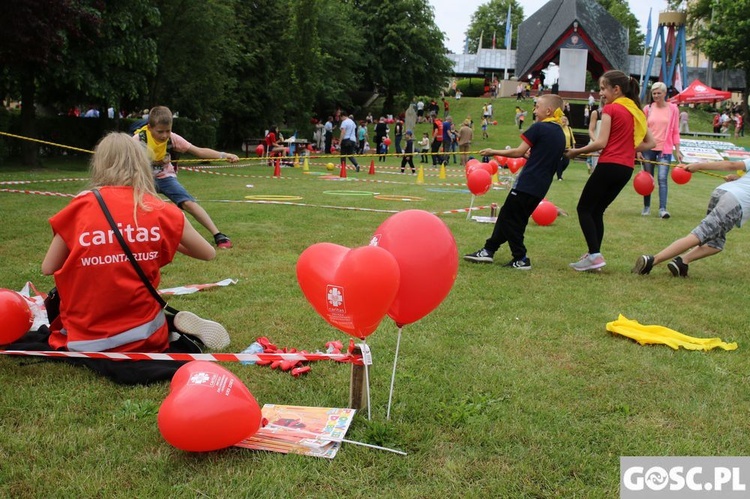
column 664, row 125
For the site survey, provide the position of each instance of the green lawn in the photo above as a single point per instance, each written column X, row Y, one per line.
column 512, row 387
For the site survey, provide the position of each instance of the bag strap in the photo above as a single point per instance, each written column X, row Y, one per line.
column 129, row 254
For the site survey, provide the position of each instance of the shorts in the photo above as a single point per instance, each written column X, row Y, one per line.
column 170, row 187
column 723, row 214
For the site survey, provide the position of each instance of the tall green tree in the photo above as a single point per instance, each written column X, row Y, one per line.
column 197, row 49
column 34, row 39
column 620, row 10
column 404, row 48
column 490, row 20
column 722, row 28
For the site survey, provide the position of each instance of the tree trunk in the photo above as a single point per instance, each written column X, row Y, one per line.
column 29, row 150
column 388, row 103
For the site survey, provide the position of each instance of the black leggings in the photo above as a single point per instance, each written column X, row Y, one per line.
column 602, row 187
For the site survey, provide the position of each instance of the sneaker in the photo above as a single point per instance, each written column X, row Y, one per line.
column 646, row 211
column 663, row 214
column 222, row 241
column 678, row 268
column 643, row 265
column 522, row 264
column 481, row 256
column 210, row 333
column 588, row 262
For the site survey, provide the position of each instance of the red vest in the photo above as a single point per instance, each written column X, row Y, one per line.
column 104, row 305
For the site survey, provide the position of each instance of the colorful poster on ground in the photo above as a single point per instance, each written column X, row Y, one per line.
column 310, row 431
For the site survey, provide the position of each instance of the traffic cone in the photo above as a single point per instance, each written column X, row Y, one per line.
column 495, row 179
column 305, row 165
column 372, row 167
column 420, row 175
column 277, row 168
column 296, row 161
column 442, row 171
column 342, row 174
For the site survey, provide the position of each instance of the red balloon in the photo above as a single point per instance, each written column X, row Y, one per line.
column 470, row 163
column 387, row 141
column 208, row 408
column 486, row 167
column 515, row 164
column 501, row 160
column 545, row 213
column 643, row 183
column 494, row 165
column 479, row 181
column 681, row 175
column 351, row 289
column 426, row 276
column 260, row 150
column 16, row 317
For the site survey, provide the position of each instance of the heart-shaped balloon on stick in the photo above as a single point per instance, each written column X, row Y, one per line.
column 208, row 408
column 352, row 289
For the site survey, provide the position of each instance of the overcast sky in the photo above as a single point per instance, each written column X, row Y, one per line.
column 453, row 17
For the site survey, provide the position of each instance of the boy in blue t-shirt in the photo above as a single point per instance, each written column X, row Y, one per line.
column 546, row 140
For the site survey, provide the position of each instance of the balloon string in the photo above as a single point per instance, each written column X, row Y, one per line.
column 468, row 212
column 367, row 383
column 393, row 375
column 324, row 438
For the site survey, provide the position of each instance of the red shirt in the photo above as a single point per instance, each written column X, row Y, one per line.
column 620, row 148
column 101, row 295
column 270, row 139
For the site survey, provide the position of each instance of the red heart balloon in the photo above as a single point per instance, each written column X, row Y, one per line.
column 260, row 150
column 208, row 408
column 426, row 276
column 545, row 213
column 501, row 160
column 471, row 164
column 494, row 165
column 351, row 289
column 643, row 183
column 479, row 181
column 15, row 316
column 515, row 164
column 680, row 175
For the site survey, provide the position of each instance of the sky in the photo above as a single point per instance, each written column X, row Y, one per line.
column 453, row 17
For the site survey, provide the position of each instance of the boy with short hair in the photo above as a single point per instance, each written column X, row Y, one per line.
column 546, row 140
column 728, row 207
column 161, row 141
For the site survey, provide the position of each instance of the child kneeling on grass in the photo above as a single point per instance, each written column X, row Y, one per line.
column 546, row 140
column 728, row 207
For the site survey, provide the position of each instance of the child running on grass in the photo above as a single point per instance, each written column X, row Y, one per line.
column 623, row 131
column 728, row 207
column 546, row 140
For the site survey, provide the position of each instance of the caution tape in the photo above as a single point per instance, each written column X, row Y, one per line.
column 182, row 357
column 43, row 193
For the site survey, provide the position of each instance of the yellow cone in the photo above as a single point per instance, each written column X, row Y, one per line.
column 442, row 171
column 305, row 165
column 296, row 161
column 420, row 175
column 495, row 180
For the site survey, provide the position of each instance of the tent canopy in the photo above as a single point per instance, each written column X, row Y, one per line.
column 699, row 92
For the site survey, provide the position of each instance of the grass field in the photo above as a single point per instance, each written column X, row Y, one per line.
column 512, row 387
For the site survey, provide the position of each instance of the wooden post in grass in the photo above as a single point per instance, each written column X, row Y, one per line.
column 358, row 385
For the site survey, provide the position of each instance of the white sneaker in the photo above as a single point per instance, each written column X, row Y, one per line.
column 663, row 214
column 211, row 333
column 646, row 211
column 587, row 262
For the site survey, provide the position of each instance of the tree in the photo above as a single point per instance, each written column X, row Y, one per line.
column 404, row 49
column 489, row 20
column 722, row 31
column 34, row 39
column 620, row 10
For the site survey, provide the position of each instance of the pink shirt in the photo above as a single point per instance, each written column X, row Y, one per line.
column 672, row 131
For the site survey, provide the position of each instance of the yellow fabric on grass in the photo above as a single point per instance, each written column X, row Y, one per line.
column 660, row 335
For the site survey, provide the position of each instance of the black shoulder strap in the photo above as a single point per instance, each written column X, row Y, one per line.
column 129, row 254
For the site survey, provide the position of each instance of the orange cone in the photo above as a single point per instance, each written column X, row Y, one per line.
column 372, row 167
column 277, row 168
column 343, row 168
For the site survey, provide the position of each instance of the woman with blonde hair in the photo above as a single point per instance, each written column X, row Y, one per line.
column 663, row 120
column 104, row 304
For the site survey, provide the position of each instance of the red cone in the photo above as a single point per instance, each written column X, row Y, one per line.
column 277, row 168
column 343, row 168
column 372, row 167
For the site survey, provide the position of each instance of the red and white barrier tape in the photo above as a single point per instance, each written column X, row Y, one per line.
column 43, row 193
column 211, row 357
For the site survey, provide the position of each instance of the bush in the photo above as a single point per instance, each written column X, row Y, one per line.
column 471, row 87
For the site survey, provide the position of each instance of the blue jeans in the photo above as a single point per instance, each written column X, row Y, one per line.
column 662, row 176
